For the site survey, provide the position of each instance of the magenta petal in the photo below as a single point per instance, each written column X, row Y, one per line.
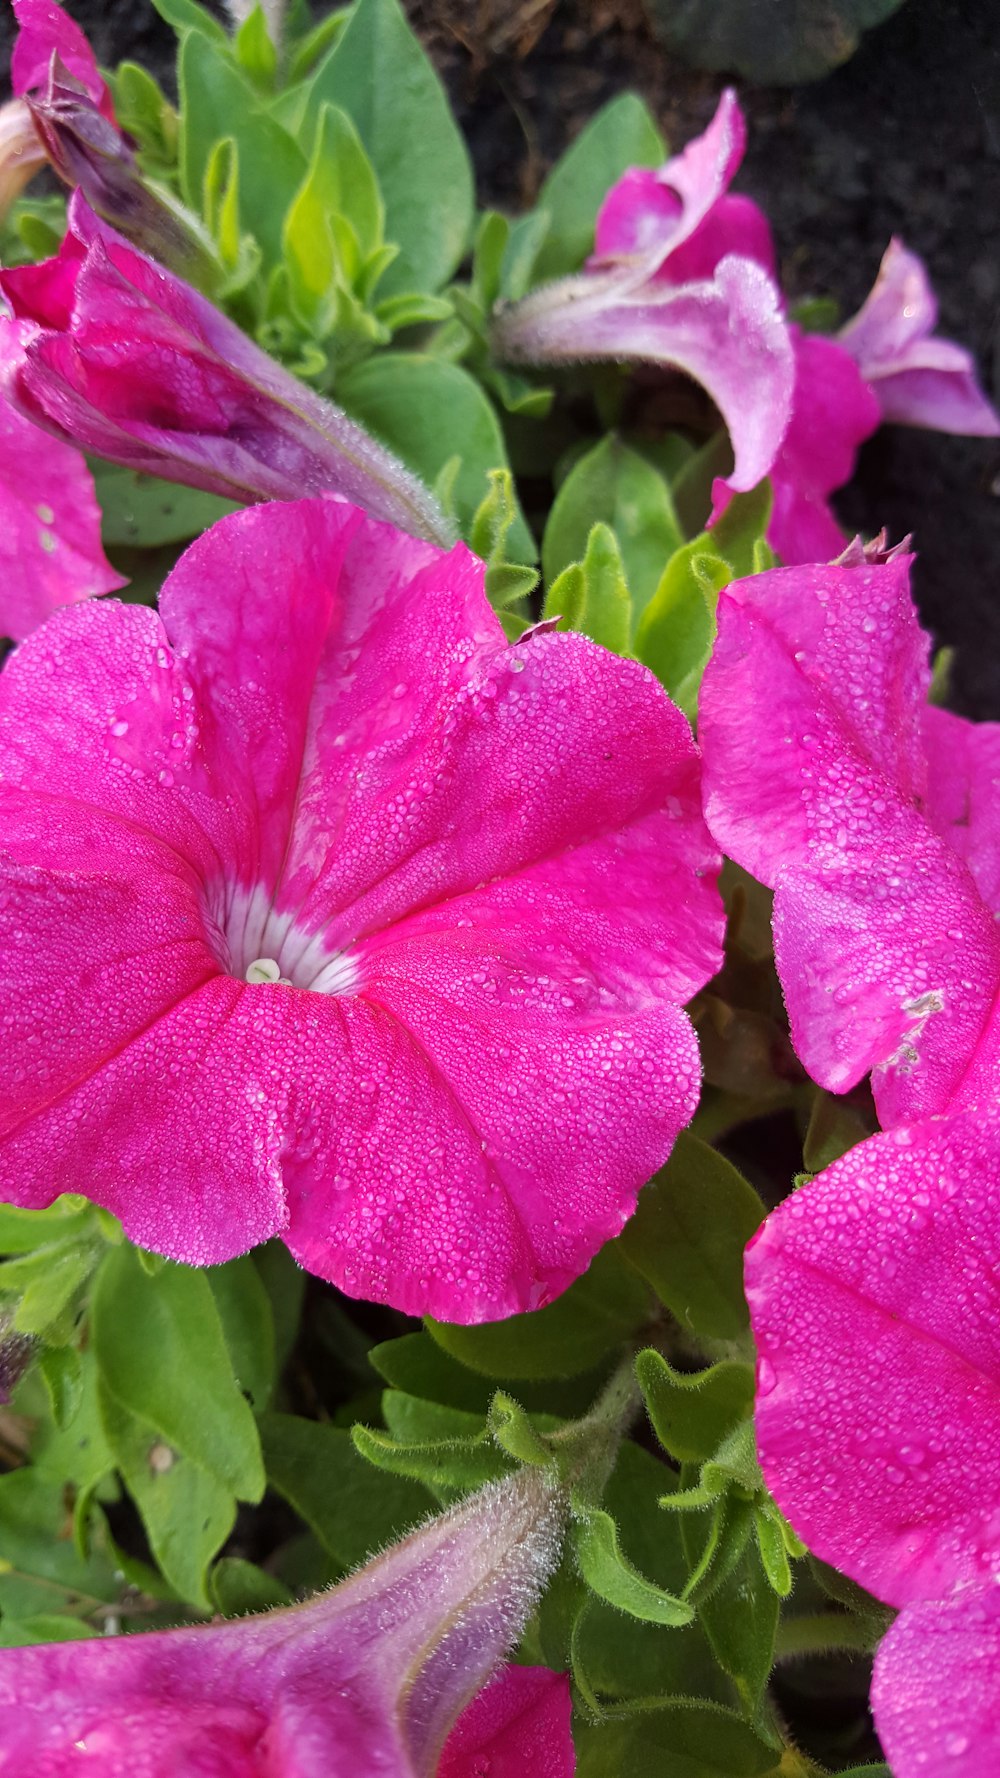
column 519, row 1725
column 918, row 380
column 734, row 225
column 50, row 527
column 963, row 793
column 875, row 1299
column 936, row 1690
column 635, row 220
column 810, row 721
column 729, row 335
column 367, row 1677
column 44, row 30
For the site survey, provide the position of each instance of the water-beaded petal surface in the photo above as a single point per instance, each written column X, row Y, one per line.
column 812, row 721
column 519, row 1724
column 936, row 1690
column 327, row 913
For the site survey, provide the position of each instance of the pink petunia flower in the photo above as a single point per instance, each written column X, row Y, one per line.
column 518, row 1725
column 815, row 732
column 919, row 380
column 370, row 1676
column 112, row 353
column 327, row 913
column 682, row 276
column 46, row 31
column 875, row 1299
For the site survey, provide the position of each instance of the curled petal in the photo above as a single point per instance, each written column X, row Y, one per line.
column 45, row 30
column 21, row 153
column 810, row 719
column 728, row 334
column 370, row 1676
column 518, row 1724
column 50, row 525
column 936, row 1689
column 649, row 215
column 875, row 1299
column 918, row 380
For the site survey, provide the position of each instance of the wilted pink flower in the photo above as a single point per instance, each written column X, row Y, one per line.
column 518, row 1726
column 919, row 380
column 814, row 727
column 875, row 1299
column 50, row 526
column 45, row 31
column 367, row 1677
column 327, row 913
column 681, row 277
column 112, row 353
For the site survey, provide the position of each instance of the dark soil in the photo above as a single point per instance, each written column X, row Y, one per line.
column 905, row 138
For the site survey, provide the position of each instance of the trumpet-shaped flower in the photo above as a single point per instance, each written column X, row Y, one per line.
column 114, row 354
column 327, row 913
column 682, row 277
column 919, row 380
column 874, row 821
column 370, row 1676
column 875, row 1299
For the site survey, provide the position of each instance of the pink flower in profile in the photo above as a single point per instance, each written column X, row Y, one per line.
column 919, row 380
column 875, row 1299
column 327, row 913
column 682, row 276
column 113, row 353
column 818, row 779
column 46, row 31
column 370, row 1676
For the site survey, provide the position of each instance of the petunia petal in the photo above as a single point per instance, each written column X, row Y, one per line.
column 693, row 183
column 875, row 1299
column 936, row 1690
column 810, row 721
column 518, row 1724
column 44, row 30
column 963, row 793
column 50, row 526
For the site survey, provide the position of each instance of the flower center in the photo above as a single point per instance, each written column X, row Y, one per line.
column 257, row 944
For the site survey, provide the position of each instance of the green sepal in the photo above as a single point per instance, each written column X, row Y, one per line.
column 237, row 1587
column 446, row 1449
column 691, row 1413
column 609, row 1573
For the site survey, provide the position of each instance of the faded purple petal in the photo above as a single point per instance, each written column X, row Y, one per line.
column 936, row 1690
column 918, row 380
column 728, row 334
column 874, row 1294
column 811, row 723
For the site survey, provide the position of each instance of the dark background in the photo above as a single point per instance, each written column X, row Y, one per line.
column 904, row 139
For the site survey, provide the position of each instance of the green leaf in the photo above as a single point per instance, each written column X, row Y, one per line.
column 76, row 1452
column 238, row 1587
column 143, row 510
column 692, row 1413
column 50, row 1283
column 144, row 111
column 677, row 630
column 428, row 411
column 340, row 188
column 524, row 244
column 254, row 50
column 377, row 71
column 41, row 1569
column 835, row 1125
column 592, row 1317
column 187, row 15
column 353, row 1510
column 285, row 1283
column 593, row 596
column 784, row 44
column 62, row 1374
column 22, row 1231
column 22, row 1632
column 740, row 1619
column 515, row 1432
column 187, row 1512
column 247, row 1324
column 492, row 237
column 272, row 166
column 622, row 135
column 609, row 1574
column 614, row 484
column 444, row 1448
column 773, row 1550
column 687, row 1738
column 687, row 1238
column 162, row 1354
